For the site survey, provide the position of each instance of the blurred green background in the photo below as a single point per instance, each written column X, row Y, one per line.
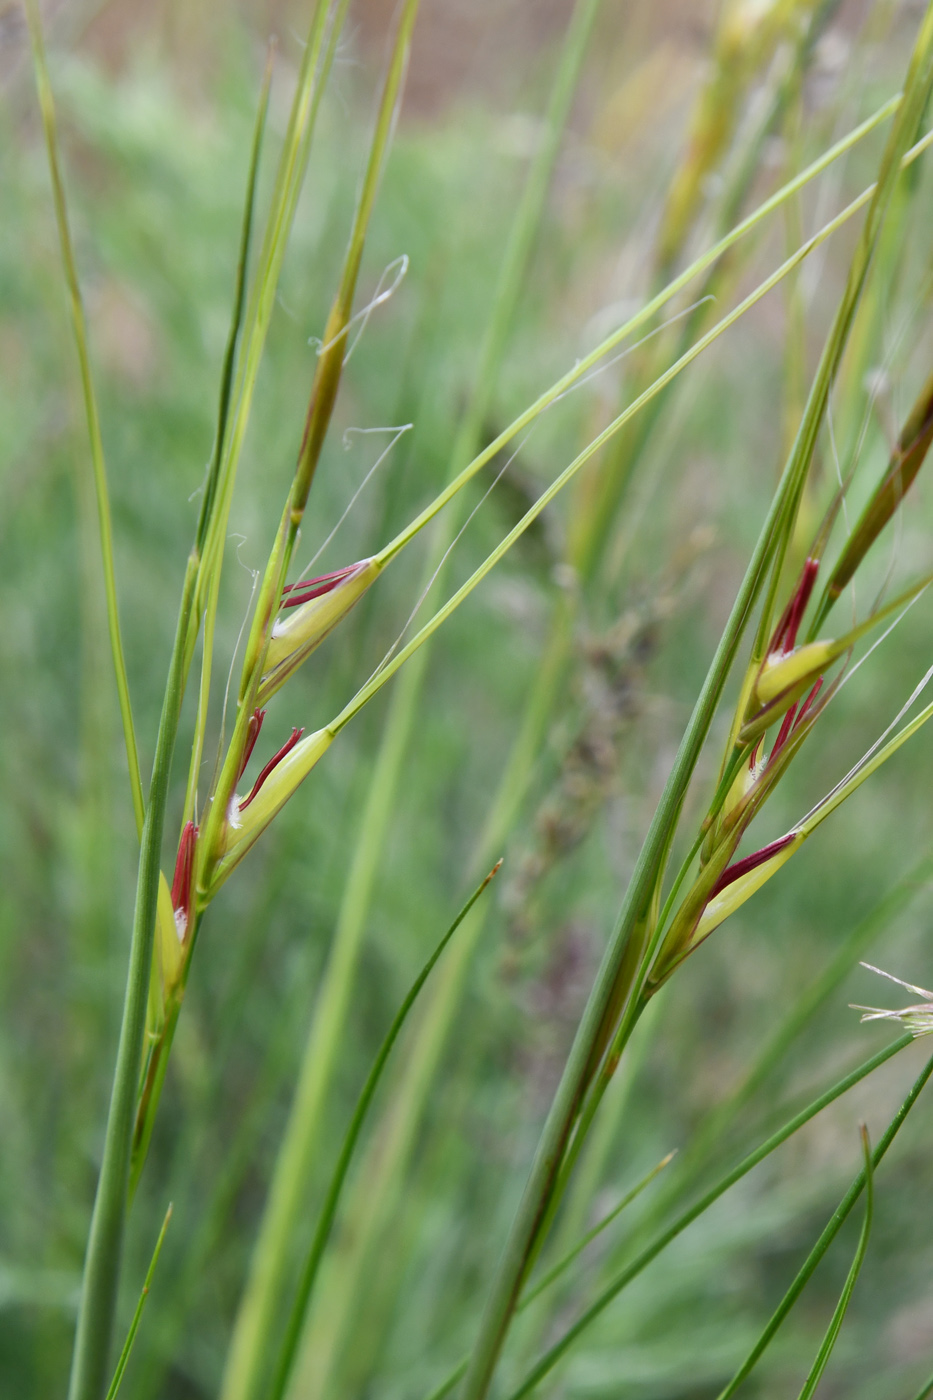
column 156, row 109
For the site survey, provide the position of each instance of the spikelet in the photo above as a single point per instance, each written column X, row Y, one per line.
column 787, row 677
column 324, row 602
column 720, row 889
column 166, row 960
column 248, row 817
column 741, row 880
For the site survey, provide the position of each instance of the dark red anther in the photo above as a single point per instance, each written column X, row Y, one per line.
column 784, row 731
column 273, row 762
column 742, row 867
column 184, row 868
column 809, row 701
column 294, row 594
column 785, row 634
column 252, row 734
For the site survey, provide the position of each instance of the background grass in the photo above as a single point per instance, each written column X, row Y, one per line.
column 156, row 121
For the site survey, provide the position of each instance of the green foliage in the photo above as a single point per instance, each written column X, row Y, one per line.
column 571, row 626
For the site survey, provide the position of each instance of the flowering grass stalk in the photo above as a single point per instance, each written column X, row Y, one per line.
column 787, row 684
column 633, row 946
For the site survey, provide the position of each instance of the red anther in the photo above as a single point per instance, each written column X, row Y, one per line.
column 785, row 634
column 742, row 867
column 784, row 731
column 276, row 759
column 809, row 701
column 252, row 734
column 294, row 594
column 184, row 866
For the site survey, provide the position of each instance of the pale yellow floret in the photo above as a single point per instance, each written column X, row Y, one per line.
column 780, row 673
column 244, row 825
column 742, row 784
column 170, row 934
column 167, row 959
column 298, row 632
column 733, row 896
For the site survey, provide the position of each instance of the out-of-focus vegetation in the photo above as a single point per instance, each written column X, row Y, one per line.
column 156, row 121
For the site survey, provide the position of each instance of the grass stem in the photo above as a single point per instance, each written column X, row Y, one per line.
column 99, row 466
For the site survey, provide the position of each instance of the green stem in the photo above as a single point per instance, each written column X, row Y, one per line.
column 622, row 1279
column 324, row 389
column 833, row 1226
column 105, row 524
column 209, row 604
column 326, row 23
column 553, row 1274
column 104, row 1248
column 661, row 1241
column 654, row 304
column 386, row 555
column 838, row 1317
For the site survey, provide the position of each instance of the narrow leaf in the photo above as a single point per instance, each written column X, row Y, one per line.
column 834, row 1225
column 553, row 1274
column 906, row 460
column 835, row 1325
column 105, row 524
column 651, row 1251
column 332, row 1199
column 137, row 1315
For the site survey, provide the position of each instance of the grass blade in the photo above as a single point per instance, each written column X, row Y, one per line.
column 318, row 55
column 324, row 389
column 105, row 1240
column 832, row 1331
column 656, row 1246
column 105, row 524
column 239, row 302
column 158, row 1052
column 220, row 438
column 332, row 1199
column 762, row 555
column 648, row 312
column 137, row 1315
column 651, row 1251
column 833, row 1226
column 553, row 1274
